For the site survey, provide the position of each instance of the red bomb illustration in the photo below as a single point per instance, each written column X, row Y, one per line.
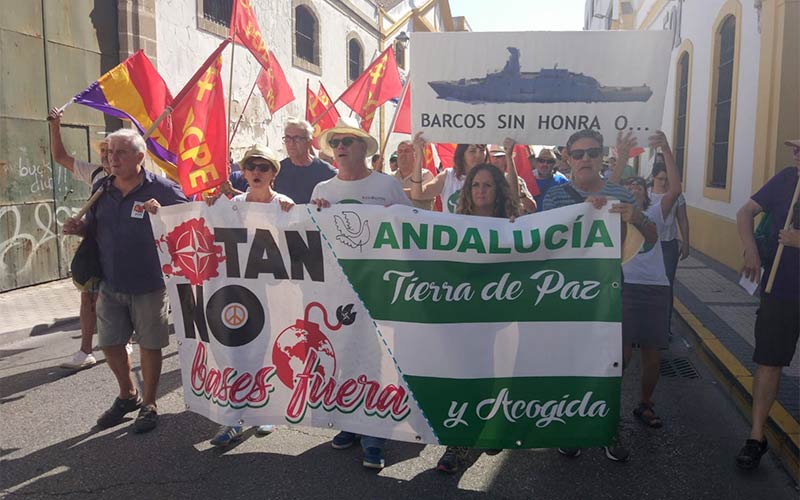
column 293, row 345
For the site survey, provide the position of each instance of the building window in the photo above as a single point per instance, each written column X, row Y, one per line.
column 400, row 54
column 218, row 11
column 681, row 107
column 305, row 34
column 722, row 103
column 355, row 60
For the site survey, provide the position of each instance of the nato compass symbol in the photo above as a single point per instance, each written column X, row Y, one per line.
column 352, row 231
column 193, row 252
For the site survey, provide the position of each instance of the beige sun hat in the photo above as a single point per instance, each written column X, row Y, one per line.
column 263, row 152
column 632, row 244
column 347, row 125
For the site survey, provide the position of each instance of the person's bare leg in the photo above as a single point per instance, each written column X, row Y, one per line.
column 627, row 354
column 88, row 319
column 765, row 389
column 151, row 372
column 120, row 364
column 651, row 365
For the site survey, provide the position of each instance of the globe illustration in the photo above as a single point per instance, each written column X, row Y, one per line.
column 292, row 347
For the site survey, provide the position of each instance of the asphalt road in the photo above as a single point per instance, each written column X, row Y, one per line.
column 48, row 447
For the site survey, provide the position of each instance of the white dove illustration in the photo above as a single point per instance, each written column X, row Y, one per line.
column 352, row 232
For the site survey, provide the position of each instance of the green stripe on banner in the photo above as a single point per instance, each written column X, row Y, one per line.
column 520, row 412
column 459, row 292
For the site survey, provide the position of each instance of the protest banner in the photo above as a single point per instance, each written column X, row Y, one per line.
column 398, row 323
column 538, row 87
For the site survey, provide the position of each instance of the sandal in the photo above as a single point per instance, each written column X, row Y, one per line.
column 648, row 417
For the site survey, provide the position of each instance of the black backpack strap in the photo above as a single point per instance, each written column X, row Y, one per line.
column 574, row 194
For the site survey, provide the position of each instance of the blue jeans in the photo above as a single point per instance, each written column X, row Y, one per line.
column 372, row 442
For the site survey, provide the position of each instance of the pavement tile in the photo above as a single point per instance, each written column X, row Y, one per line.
column 710, row 287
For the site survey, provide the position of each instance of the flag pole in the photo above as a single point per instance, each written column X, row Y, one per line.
column 396, row 112
column 230, row 78
column 246, row 102
column 777, row 261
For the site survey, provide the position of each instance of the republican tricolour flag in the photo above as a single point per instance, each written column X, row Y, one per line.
column 135, row 91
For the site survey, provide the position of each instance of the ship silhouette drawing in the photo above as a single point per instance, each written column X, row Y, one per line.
column 546, row 85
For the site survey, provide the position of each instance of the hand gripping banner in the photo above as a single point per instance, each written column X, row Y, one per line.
column 399, row 323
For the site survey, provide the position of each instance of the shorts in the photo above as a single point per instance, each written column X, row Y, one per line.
column 119, row 315
column 776, row 331
column 645, row 315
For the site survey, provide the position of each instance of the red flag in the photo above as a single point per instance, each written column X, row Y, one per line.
column 428, row 161
column 274, row 88
column 524, row 167
column 245, row 31
column 446, row 153
column 200, row 134
column 316, row 104
column 376, row 85
column 402, row 125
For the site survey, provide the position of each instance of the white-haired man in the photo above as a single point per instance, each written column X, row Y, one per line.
column 301, row 171
column 133, row 299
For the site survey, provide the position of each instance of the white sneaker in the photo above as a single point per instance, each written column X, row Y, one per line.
column 129, row 348
column 79, row 361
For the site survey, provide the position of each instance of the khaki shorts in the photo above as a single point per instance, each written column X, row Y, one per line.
column 143, row 316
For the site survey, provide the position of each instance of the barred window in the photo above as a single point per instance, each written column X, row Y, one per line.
column 681, row 110
column 305, row 33
column 355, row 59
column 723, row 96
column 218, row 11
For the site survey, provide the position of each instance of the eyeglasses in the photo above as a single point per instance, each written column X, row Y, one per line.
column 346, row 142
column 262, row 167
column 577, row 154
column 294, row 138
column 549, row 162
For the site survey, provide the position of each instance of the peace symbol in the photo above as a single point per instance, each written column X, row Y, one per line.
column 234, row 315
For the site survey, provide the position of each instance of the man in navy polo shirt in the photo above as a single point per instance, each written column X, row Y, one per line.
column 301, row 171
column 133, row 299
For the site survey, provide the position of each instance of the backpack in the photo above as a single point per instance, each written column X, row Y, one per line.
column 766, row 252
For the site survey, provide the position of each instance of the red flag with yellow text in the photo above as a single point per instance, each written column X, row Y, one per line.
column 316, row 104
column 524, row 167
column 274, row 88
column 376, row 85
column 245, row 31
column 200, row 135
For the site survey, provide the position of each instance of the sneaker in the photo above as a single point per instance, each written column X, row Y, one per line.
column 146, row 420
column 451, row 460
column 129, row 348
column 344, row 440
column 373, row 458
column 750, row 455
column 79, row 361
column 114, row 415
column 264, row 430
column 617, row 453
column 570, row 452
column 226, row 435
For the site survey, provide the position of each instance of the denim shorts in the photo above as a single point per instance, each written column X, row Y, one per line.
column 143, row 316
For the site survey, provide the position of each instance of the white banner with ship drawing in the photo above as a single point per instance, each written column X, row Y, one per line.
column 538, row 87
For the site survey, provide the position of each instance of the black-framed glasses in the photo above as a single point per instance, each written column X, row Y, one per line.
column 345, row 141
column 577, row 154
column 294, row 138
column 262, row 167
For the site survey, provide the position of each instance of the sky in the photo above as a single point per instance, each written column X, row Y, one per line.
column 520, row 15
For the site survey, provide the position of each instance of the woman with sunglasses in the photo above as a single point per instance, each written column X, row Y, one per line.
column 449, row 182
column 486, row 193
column 646, row 293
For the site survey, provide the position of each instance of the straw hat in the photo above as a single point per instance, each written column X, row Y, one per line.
column 262, row 152
column 793, row 142
column 632, row 244
column 546, row 154
column 349, row 126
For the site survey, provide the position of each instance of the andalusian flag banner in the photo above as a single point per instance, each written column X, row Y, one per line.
column 399, row 323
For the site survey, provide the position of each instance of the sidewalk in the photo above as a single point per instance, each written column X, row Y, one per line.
column 35, row 308
column 722, row 316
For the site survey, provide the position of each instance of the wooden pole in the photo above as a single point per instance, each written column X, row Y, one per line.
column 777, row 261
column 230, row 84
column 396, row 112
column 246, row 102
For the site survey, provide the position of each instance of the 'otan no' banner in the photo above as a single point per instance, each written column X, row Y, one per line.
column 399, row 323
column 538, row 87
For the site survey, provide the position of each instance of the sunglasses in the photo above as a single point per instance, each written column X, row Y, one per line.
column 346, row 142
column 262, row 167
column 294, row 138
column 577, row 154
column 549, row 162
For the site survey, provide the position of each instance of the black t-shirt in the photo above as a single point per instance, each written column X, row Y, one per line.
column 298, row 182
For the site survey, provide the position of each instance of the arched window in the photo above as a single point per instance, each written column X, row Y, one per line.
column 355, row 59
column 681, row 109
column 306, row 32
column 722, row 104
column 400, row 54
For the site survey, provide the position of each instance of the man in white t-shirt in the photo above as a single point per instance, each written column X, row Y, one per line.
column 405, row 169
column 356, row 183
column 87, row 173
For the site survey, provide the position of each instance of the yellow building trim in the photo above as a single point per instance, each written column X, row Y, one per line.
column 730, row 8
column 652, row 14
column 716, row 236
column 685, row 47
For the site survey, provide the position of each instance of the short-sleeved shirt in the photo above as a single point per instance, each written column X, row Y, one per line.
column 427, row 176
column 557, row 196
column 451, row 191
column 669, row 231
column 277, row 199
column 775, row 197
column 545, row 185
column 87, row 172
column 299, row 182
column 128, row 255
column 238, row 181
column 647, row 267
column 375, row 189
